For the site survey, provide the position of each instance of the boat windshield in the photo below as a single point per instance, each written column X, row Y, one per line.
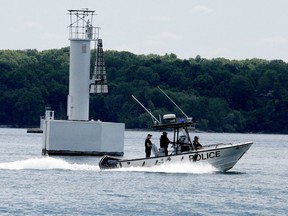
column 180, row 130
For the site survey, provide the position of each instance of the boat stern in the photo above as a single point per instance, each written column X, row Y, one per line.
column 108, row 162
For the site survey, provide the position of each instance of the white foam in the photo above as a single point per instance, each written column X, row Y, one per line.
column 198, row 168
column 46, row 163
column 50, row 163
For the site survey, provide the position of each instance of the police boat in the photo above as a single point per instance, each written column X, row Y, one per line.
column 222, row 156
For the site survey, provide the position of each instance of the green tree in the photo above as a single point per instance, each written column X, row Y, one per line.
column 242, row 91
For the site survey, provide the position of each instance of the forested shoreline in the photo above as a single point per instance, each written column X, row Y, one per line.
column 221, row 95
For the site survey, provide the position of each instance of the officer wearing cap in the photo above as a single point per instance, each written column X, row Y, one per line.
column 148, row 145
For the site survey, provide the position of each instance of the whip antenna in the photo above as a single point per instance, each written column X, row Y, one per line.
column 146, row 109
column 173, row 102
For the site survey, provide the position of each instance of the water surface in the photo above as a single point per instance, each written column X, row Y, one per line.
column 36, row 185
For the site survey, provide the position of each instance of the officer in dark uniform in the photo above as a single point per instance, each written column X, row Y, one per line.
column 164, row 142
column 148, row 145
column 196, row 143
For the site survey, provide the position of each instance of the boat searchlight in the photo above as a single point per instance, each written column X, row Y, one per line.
column 169, row 118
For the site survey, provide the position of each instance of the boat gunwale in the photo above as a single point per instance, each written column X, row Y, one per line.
column 231, row 145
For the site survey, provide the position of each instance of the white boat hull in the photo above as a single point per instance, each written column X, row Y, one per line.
column 221, row 156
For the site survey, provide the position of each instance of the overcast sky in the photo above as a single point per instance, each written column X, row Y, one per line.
column 233, row 29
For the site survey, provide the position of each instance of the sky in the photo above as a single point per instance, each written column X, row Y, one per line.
column 232, row 29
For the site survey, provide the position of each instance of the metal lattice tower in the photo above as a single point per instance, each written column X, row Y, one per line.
column 99, row 78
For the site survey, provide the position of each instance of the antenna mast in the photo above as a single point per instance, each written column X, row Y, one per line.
column 153, row 117
column 188, row 118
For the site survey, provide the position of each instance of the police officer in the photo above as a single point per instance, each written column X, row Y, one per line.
column 196, row 143
column 148, row 145
column 164, row 142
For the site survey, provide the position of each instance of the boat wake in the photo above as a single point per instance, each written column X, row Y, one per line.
column 50, row 163
column 46, row 163
column 193, row 168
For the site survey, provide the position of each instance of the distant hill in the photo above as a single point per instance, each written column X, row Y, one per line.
column 221, row 95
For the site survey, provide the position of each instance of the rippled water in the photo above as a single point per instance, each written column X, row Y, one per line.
column 36, row 185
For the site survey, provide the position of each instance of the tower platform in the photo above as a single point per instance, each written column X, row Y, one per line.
column 64, row 137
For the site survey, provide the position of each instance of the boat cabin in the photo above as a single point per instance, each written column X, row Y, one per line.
column 181, row 139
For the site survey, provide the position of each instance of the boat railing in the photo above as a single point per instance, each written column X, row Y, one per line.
column 216, row 145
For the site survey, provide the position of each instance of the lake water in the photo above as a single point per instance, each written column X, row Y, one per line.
column 36, row 185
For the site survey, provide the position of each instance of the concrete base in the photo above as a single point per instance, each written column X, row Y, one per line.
column 62, row 137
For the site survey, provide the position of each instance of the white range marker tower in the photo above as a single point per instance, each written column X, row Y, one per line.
column 80, row 35
column 78, row 135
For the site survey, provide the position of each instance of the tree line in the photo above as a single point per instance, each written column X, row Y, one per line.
column 221, row 95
